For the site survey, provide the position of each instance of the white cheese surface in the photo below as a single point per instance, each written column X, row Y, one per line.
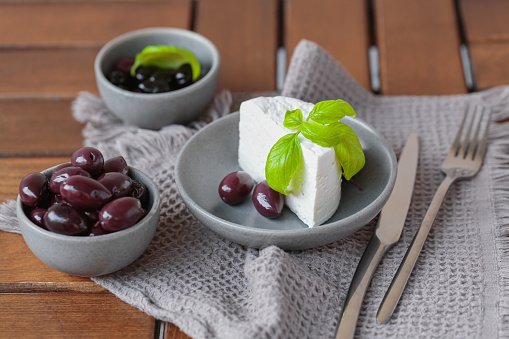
column 316, row 186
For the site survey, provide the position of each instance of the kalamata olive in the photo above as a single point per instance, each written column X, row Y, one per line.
column 139, row 191
column 144, row 72
column 59, row 176
column 124, row 64
column 97, row 230
column 57, row 199
column 118, row 78
column 88, row 158
column 267, row 202
column 83, row 192
column 117, row 183
column 66, row 220
column 156, row 86
column 184, row 76
column 166, row 75
column 91, row 215
column 37, row 216
column 116, row 164
column 59, row 167
column 33, row 189
column 120, row 214
column 235, row 187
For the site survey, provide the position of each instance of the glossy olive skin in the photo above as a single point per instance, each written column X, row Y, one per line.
column 37, row 216
column 120, row 214
column 34, row 189
column 267, row 202
column 83, row 192
column 235, row 187
column 88, row 158
column 116, row 164
column 66, row 220
column 117, row 183
column 139, row 191
column 59, row 176
column 124, row 64
column 92, row 216
column 97, row 230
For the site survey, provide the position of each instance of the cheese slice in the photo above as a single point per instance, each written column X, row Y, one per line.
column 316, row 186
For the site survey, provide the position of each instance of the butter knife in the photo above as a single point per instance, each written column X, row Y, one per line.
column 387, row 233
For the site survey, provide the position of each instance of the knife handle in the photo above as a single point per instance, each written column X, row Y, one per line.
column 360, row 282
column 393, row 294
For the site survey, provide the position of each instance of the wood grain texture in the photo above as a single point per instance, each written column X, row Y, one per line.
column 485, row 21
column 38, row 127
column 51, row 70
column 419, row 47
column 489, row 64
column 339, row 26
column 26, row 273
column 79, row 23
column 173, row 332
column 247, row 43
column 13, row 170
column 71, row 315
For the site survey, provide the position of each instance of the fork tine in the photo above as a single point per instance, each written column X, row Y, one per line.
column 453, row 151
column 473, row 143
column 465, row 145
column 484, row 142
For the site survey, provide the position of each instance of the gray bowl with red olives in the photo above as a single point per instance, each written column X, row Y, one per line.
column 89, row 217
column 154, row 77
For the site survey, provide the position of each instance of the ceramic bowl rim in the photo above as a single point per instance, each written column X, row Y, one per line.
column 100, row 238
column 115, row 42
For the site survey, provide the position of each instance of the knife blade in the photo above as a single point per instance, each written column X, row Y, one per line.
column 387, row 233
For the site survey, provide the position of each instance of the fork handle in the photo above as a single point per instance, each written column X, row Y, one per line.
column 399, row 281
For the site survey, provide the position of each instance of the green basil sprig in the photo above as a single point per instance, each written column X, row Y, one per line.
column 323, row 128
column 166, row 57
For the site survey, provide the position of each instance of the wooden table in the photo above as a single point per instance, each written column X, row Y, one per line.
column 47, row 49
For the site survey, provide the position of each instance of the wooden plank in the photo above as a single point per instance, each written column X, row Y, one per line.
column 30, row 127
column 64, row 71
column 34, row 2
column 173, row 332
column 343, row 32
column 26, row 273
column 82, row 23
column 247, row 43
column 489, row 63
column 485, row 21
column 71, row 315
column 419, row 47
column 13, row 170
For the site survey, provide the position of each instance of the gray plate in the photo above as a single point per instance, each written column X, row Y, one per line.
column 212, row 153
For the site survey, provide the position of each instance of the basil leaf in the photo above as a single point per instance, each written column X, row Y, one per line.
column 348, row 151
column 282, row 162
column 323, row 135
column 327, row 112
column 344, row 140
column 293, row 119
column 166, row 57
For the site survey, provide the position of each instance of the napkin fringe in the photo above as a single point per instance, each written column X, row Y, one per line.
column 500, row 177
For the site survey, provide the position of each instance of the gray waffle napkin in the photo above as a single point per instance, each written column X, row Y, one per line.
column 213, row 288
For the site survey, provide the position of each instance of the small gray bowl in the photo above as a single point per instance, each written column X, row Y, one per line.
column 154, row 111
column 93, row 256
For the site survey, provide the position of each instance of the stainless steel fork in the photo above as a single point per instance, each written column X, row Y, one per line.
column 463, row 161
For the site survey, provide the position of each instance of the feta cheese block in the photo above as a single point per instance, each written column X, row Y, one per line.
column 316, row 186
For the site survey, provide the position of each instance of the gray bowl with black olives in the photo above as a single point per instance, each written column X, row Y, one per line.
column 151, row 104
column 90, row 256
